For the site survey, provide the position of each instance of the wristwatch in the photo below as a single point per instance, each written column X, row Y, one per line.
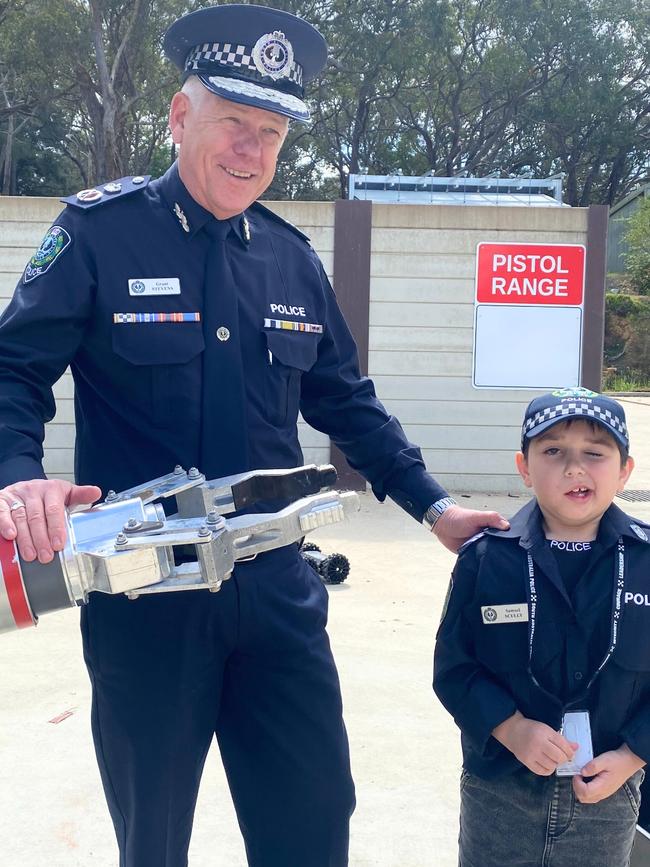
column 435, row 510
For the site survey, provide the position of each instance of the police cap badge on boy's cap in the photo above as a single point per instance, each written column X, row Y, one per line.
column 249, row 54
column 564, row 403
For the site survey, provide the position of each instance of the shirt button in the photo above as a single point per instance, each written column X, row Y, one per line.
column 223, row 333
column 577, row 675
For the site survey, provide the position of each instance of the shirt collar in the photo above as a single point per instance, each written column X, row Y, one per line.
column 526, row 526
column 187, row 210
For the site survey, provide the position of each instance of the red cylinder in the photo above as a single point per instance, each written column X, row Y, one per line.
column 15, row 610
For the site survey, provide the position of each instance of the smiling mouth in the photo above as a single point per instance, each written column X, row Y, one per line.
column 579, row 492
column 246, row 176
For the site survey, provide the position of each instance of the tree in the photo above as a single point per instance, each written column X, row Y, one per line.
column 637, row 238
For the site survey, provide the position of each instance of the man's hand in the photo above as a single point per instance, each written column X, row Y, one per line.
column 456, row 525
column 609, row 771
column 535, row 744
column 32, row 513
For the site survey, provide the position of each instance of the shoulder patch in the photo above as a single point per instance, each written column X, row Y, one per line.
column 52, row 246
column 257, row 206
column 471, row 541
column 445, row 604
column 103, row 193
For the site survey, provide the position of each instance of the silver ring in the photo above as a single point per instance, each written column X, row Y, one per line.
column 17, row 504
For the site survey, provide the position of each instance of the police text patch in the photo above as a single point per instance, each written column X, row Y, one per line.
column 54, row 243
column 515, row 613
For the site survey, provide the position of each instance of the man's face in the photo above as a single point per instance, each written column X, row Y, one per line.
column 575, row 472
column 228, row 152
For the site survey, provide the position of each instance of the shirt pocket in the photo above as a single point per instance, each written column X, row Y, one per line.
column 162, row 368
column 290, row 354
column 503, row 647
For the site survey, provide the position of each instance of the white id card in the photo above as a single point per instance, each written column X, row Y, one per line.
column 576, row 728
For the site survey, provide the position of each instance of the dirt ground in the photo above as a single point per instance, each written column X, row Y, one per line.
column 405, row 749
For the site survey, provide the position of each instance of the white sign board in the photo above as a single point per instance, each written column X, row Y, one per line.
column 528, row 315
column 526, row 347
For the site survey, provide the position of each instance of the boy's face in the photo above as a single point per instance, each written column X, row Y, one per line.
column 574, row 469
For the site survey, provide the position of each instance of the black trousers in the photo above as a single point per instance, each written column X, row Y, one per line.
column 251, row 664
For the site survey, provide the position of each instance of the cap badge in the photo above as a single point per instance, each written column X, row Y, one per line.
column 113, row 187
column 182, row 219
column 273, row 55
column 138, row 179
column 89, row 195
column 578, row 391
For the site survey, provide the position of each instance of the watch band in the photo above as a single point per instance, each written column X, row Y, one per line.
column 435, row 510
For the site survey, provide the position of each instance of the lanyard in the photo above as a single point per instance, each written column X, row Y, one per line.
column 619, row 586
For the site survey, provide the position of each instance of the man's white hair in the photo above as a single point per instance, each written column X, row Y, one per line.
column 194, row 90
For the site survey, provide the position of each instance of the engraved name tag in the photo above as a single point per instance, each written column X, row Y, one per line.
column 155, row 286
column 516, row 613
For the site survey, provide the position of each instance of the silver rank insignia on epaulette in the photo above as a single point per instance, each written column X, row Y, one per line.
column 246, row 229
column 182, row 219
column 91, row 195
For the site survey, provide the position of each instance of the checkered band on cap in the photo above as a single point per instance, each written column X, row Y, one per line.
column 234, row 57
column 573, row 408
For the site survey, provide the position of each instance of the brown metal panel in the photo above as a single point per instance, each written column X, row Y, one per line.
column 352, row 237
column 593, row 328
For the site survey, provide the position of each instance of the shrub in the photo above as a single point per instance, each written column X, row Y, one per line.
column 637, row 259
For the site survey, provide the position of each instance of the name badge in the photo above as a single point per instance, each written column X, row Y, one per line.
column 516, row 613
column 155, row 286
column 576, row 728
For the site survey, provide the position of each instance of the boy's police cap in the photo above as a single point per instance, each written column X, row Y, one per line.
column 249, row 54
column 565, row 403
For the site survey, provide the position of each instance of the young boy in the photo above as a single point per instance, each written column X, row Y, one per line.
column 543, row 653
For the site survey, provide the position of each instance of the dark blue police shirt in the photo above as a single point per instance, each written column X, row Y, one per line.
column 482, row 669
column 138, row 386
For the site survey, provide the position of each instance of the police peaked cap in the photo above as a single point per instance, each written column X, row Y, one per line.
column 249, row 54
column 563, row 404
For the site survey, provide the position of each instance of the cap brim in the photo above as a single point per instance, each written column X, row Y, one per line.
column 248, row 93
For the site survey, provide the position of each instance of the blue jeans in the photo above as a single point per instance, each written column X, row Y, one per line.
column 524, row 820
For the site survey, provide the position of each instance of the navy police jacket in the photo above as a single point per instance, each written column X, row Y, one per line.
column 484, row 670
column 116, row 291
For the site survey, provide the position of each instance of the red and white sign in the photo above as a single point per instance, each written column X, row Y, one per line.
column 530, row 274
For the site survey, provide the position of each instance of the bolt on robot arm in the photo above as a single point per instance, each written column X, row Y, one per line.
column 126, row 544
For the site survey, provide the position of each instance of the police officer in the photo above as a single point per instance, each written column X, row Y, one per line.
column 197, row 324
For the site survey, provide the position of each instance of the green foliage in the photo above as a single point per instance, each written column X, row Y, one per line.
column 637, row 259
column 621, row 305
column 627, row 342
column 443, row 86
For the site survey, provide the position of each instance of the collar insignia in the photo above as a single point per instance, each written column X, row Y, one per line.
column 246, row 229
column 182, row 219
column 639, row 532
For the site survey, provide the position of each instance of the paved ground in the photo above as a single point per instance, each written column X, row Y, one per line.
column 405, row 749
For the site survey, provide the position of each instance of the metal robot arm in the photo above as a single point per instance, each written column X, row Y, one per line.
column 126, row 544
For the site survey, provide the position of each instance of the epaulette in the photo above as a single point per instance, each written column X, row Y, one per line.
column 267, row 212
column 471, row 541
column 109, row 192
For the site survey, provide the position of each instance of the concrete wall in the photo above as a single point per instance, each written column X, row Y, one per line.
column 421, row 333
column 420, row 321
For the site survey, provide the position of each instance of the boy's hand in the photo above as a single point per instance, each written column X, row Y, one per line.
column 535, row 744
column 609, row 771
column 456, row 525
